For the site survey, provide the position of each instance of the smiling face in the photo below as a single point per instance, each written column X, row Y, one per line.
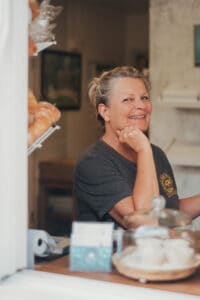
column 128, row 104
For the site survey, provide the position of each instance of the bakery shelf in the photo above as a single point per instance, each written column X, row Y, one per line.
column 184, row 154
column 38, row 143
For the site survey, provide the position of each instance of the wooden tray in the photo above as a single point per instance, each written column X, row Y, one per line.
column 155, row 275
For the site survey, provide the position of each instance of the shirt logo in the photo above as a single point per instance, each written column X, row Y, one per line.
column 167, row 184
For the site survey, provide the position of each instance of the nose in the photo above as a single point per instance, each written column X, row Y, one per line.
column 138, row 103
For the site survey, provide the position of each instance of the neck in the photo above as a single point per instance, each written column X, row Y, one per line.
column 123, row 149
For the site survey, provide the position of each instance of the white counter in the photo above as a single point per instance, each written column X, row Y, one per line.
column 35, row 285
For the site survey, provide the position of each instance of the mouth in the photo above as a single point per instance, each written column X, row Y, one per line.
column 137, row 117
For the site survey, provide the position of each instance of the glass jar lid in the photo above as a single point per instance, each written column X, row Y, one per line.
column 158, row 215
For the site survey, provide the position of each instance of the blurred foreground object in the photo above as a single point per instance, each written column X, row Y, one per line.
column 158, row 215
column 156, row 253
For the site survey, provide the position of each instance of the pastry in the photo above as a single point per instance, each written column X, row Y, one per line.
column 41, row 116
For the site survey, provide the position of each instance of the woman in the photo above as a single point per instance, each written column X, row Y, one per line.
column 123, row 172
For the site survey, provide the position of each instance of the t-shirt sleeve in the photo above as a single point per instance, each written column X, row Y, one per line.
column 166, row 179
column 100, row 185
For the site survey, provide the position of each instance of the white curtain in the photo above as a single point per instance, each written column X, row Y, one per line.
column 13, row 124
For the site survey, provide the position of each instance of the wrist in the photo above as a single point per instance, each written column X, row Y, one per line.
column 146, row 149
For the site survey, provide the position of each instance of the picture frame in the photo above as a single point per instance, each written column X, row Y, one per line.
column 95, row 69
column 197, row 45
column 61, row 78
column 140, row 60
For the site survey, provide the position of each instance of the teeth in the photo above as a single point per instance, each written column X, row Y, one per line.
column 136, row 117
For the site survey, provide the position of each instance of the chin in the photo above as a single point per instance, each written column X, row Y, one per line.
column 143, row 128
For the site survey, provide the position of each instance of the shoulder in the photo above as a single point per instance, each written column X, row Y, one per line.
column 158, row 152
column 160, row 157
column 93, row 159
column 95, row 152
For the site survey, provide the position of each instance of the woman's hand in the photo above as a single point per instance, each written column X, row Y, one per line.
column 134, row 137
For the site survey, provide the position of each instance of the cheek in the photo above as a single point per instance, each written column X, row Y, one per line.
column 115, row 112
column 149, row 108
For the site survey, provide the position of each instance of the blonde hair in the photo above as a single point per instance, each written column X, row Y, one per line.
column 100, row 87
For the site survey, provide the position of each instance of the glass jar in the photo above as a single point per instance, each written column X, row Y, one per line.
column 157, row 248
column 158, row 245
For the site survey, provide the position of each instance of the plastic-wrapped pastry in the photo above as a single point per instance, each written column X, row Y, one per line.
column 35, row 9
column 40, row 27
column 33, row 13
column 31, row 47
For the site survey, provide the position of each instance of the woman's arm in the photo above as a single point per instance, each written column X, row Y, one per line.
column 191, row 205
column 145, row 187
column 146, row 184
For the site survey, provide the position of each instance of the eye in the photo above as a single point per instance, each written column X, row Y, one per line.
column 145, row 98
column 128, row 100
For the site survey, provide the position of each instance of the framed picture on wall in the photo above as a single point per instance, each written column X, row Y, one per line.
column 61, row 78
column 95, row 69
column 197, row 45
column 140, row 61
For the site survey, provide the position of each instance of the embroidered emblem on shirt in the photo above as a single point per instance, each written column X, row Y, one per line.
column 167, row 184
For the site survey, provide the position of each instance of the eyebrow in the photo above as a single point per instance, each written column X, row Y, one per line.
column 131, row 94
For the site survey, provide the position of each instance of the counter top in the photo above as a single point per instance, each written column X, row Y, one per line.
column 190, row 285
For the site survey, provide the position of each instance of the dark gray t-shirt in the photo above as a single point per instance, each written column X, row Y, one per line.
column 103, row 177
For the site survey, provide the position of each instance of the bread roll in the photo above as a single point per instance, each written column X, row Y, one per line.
column 31, row 119
column 39, row 126
column 50, row 110
column 32, row 107
column 32, row 101
column 41, row 115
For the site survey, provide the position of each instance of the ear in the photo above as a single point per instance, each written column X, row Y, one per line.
column 103, row 110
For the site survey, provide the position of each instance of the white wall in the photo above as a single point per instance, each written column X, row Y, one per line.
column 172, row 68
column 13, row 134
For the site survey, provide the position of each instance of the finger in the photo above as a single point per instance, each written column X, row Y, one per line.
column 118, row 132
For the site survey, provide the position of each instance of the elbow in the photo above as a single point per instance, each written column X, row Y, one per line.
column 142, row 204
